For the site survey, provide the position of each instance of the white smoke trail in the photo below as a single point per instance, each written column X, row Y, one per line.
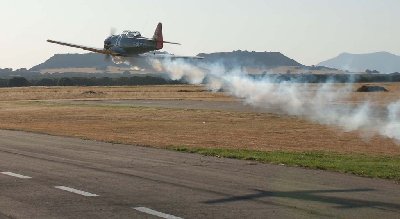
column 321, row 105
column 392, row 126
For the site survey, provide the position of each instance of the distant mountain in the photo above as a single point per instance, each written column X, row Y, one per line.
column 250, row 59
column 383, row 62
column 235, row 58
column 88, row 60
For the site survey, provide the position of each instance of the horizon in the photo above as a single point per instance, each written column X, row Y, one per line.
column 212, row 52
column 307, row 31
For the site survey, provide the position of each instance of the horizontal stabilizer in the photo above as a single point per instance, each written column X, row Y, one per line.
column 162, row 41
column 171, row 42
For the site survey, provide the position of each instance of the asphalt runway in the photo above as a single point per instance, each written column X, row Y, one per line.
column 45, row 176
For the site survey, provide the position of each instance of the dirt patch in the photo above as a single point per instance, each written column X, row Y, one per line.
column 189, row 92
column 369, row 88
column 192, row 91
column 90, row 92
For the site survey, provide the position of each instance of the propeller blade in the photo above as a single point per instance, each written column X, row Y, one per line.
column 112, row 31
column 107, row 58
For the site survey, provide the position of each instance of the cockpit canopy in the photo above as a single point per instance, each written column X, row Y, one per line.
column 131, row 34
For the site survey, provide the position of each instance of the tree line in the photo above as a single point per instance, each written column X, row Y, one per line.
column 153, row 80
column 85, row 81
column 334, row 78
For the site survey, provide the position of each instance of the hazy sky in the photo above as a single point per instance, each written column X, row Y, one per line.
column 308, row 31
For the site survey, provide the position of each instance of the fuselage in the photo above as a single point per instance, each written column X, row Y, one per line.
column 129, row 43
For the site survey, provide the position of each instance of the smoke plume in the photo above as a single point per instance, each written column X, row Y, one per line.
column 322, row 103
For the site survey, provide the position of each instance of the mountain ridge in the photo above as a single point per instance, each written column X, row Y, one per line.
column 382, row 61
column 73, row 60
column 234, row 58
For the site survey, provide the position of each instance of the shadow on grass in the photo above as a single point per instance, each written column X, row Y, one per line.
column 321, row 196
column 377, row 166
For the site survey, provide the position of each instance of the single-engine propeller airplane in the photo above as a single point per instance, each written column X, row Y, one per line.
column 131, row 44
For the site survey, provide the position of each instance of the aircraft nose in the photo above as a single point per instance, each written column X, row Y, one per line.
column 107, row 43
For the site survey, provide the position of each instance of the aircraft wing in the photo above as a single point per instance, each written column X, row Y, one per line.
column 102, row 51
column 167, row 56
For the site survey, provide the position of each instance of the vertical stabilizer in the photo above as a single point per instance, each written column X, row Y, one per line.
column 158, row 37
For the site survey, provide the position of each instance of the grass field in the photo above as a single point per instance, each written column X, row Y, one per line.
column 135, row 92
column 243, row 135
column 386, row 167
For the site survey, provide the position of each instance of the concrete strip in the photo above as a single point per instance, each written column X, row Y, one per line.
column 16, row 175
column 155, row 213
column 76, row 191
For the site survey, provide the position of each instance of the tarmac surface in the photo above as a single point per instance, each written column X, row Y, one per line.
column 46, row 176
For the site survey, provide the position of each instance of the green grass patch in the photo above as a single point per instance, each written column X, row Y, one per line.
column 386, row 167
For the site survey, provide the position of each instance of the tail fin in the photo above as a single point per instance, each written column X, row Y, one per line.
column 158, row 37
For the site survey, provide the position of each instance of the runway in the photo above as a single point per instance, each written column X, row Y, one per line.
column 46, row 176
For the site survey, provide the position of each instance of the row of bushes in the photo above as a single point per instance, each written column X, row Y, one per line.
column 82, row 81
column 151, row 80
column 338, row 78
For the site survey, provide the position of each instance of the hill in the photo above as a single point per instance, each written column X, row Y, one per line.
column 250, row 59
column 235, row 58
column 88, row 60
column 383, row 62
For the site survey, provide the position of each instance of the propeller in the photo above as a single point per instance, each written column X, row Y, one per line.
column 113, row 30
column 107, row 57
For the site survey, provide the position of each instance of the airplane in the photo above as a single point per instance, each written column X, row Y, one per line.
column 131, row 44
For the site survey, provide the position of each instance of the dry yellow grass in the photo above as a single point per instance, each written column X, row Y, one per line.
column 377, row 98
column 135, row 92
column 160, row 127
column 187, row 92
column 110, row 69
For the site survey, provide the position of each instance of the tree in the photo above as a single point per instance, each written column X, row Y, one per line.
column 371, row 71
column 18, row 82
column 126, row 73
column 46, row 82
column 65, row 82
